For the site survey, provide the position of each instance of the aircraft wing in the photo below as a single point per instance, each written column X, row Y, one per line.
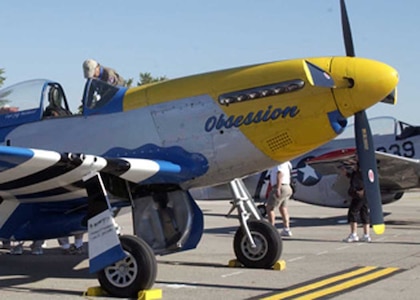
column 34, row 174
column 395, row 172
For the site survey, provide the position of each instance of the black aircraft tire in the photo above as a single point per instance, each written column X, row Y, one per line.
column 268, row 245
column 135, row 273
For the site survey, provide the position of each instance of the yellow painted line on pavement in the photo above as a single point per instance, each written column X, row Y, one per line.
column 319, row 284
column 343, row 282
column 348, row 284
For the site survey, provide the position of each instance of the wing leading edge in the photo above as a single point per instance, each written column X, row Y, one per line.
column 34, row 174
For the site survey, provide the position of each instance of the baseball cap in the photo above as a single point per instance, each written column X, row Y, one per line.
column 89, row 66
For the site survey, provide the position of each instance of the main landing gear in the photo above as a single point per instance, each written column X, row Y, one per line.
column 256, row 244
column 132, row 264
column 136, row 272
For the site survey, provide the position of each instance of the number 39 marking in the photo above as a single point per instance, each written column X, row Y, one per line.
column 406, row 149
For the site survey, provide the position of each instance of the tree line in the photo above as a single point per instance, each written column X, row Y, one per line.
column 2, row 78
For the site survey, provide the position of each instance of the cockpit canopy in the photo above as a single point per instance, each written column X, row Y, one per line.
column 38, row 99
column 27, row 101
column 100, row 97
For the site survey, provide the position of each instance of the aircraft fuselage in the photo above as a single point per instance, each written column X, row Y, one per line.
column 229, row 123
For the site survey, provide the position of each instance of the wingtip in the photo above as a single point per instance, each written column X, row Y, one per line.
column 379, row 228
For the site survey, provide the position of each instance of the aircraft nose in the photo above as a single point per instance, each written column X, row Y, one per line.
column 362, row 83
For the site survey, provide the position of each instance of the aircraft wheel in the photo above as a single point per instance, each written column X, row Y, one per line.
column 135, row 273
column 268, row 245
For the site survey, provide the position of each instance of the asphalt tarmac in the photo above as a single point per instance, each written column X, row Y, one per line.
column 318, row 264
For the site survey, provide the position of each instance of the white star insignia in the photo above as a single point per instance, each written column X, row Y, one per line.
column 308, row 171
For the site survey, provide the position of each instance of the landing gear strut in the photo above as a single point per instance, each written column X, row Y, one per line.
column 257, row 244
column 124, row 265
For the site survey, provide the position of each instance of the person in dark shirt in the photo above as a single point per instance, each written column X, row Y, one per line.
column 54, row 108
column 358, row 207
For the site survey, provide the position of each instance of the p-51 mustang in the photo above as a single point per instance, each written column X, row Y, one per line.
column 318, row 176
column 319, row 179
column 145, row 147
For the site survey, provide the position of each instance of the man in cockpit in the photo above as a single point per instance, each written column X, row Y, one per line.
column 92, row 69
column 54, row 108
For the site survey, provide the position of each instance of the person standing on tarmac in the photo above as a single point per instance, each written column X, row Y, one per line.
column 358, row 207
column 280, row 178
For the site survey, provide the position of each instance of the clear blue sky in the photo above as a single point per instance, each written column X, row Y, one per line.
column 51, row 39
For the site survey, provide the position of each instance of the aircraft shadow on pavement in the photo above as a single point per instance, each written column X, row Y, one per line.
column 18, row 270
column 404, row 224
column 219, row 286
column 340, row 220
column 192, row 264
column 296, row 222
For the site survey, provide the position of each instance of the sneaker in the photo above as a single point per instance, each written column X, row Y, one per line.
column 286, row 232
column 36, row 247
column 351, row 239
column 38, row 244
column 366, row 239
column 74, row 250
column 37, row 250
column 17, row 250
column 6, row 245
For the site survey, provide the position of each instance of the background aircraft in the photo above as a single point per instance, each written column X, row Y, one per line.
column 397, row 154
column 317, row 176
column 145, row 147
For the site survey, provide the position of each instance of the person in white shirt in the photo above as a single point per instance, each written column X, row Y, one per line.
column 280, row 179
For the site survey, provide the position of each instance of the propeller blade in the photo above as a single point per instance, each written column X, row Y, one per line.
column 367, row 162
column 348, row 40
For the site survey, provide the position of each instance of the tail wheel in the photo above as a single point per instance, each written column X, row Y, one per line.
column 268, row 245
column 135, row 273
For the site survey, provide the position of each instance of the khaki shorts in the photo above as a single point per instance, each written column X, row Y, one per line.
column 286, row 193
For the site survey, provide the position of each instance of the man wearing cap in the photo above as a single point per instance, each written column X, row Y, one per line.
column 92, row 69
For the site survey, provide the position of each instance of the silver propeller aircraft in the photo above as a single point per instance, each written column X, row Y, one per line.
column 145, row 147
